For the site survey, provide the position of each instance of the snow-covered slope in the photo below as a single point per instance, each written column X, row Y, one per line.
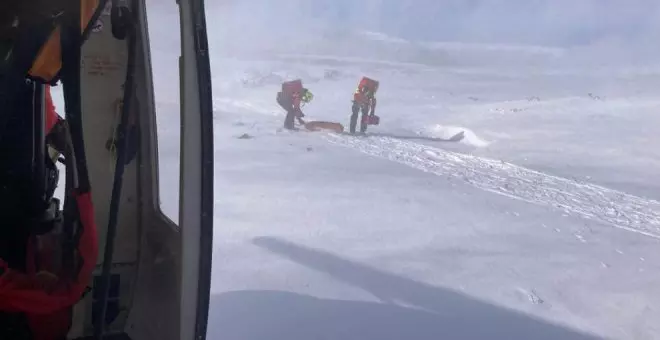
column 542, row 222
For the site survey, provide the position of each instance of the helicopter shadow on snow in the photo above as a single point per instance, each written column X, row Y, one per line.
column 432, row 312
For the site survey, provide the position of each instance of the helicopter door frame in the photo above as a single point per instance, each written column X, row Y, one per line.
column 196, row 185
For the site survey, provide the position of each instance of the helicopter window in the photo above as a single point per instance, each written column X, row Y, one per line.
column 165, row 52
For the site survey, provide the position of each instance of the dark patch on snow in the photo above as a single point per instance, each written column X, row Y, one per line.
column 408, row 310
column 594, row 97
column 331, row 74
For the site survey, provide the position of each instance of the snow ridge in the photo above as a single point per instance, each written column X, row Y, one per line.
column 589, row 201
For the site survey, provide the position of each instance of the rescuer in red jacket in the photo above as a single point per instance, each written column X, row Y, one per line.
column 292, row 97
column 364, row 100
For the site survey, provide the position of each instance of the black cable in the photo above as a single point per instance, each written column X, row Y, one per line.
column 124, row 14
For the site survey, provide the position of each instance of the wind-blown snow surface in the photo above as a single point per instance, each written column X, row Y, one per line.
column 542, row 222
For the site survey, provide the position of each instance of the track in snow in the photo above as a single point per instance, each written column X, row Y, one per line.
column 586, row 200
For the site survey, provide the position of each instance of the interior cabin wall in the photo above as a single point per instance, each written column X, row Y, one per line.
column 144, row 299
column 103, row 69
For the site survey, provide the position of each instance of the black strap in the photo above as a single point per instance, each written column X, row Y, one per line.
column 43, row 187
column 77, row 178
column 71, row 39
column 27, row 44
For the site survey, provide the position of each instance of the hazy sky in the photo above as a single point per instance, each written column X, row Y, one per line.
column 545, row 22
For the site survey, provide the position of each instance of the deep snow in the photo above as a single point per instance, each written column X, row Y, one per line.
column 541, row 223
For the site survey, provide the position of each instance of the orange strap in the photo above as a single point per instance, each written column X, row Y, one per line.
column 49, row 61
